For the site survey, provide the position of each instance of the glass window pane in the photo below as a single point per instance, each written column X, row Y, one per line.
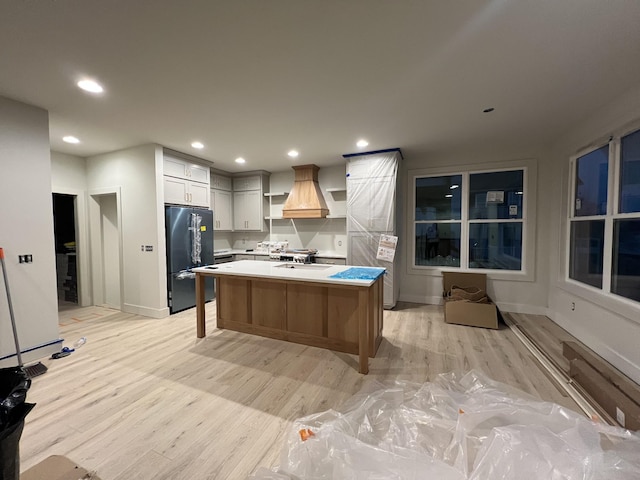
column 496, row 195
column 592, row 172
column 587, row 246
column 438, row 244
column 495, row 245
column 630, row 173
column 439, row 198
column 625, row 279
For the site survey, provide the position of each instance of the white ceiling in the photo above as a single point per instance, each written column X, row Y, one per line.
column 255, row 78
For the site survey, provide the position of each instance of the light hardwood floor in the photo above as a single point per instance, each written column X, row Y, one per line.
column 146, row 399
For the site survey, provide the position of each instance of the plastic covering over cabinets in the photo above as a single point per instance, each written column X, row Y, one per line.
column 457, row 427
column 371, row 212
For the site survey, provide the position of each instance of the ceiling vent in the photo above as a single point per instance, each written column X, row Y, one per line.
column 305, row 199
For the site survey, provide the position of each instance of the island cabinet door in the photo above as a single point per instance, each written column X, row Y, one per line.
column 307, row 309
column 268, row 303
column 232, row 296
column 342, row 325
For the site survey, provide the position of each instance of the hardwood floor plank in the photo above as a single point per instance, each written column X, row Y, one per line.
column 144, row 398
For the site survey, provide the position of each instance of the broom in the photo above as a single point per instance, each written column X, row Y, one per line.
column 31, row 370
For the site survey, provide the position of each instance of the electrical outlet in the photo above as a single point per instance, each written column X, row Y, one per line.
column 339, row 243
column 28, row 258
column 21, row 259
column 573, row 306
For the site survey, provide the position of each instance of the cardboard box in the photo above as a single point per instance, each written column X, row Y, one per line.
column 612, row 400
column 57, row 467
column 485, row 315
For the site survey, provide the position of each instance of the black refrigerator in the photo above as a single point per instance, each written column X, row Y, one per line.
column 189, row 233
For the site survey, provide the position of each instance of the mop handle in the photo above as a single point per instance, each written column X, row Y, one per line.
column 13, row 320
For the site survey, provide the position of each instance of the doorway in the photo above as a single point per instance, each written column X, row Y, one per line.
column 64, row 230
column 106, row 249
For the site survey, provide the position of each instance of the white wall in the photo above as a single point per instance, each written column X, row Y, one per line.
column 133, row 173
column 26, row 227
column 517, row 293
column 69, row 176
column 609, row 325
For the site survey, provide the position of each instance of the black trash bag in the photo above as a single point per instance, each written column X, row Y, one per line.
column 14, row 384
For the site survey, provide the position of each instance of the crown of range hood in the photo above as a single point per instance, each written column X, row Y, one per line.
column 305, row 199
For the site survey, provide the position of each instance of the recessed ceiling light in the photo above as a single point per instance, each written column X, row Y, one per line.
column 362, row 143
column 90, row 86
column 488, row 110
column 453, row 187
column 240, row 160
column 198, row 145
column 70, row 139
column 293, row 153
column 448, row 195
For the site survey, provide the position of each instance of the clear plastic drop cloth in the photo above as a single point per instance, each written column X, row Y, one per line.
column 460, row 426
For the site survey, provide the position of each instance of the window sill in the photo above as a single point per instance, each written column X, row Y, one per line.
column 500, row 275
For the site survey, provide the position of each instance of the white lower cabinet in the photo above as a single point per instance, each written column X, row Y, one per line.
column 330, row 261
column 185, row 192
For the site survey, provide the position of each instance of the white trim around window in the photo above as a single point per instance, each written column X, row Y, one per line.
column 529, row 222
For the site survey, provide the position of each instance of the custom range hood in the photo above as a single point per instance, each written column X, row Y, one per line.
column 305, row 199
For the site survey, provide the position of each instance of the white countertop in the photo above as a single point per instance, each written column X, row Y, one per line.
column 283, row 271
column 321, row 254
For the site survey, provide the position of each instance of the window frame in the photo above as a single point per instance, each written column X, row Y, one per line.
column 608, row 299
column 528, row 220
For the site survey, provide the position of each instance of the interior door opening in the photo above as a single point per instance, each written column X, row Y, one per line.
column 110, row 236
column 64, row 224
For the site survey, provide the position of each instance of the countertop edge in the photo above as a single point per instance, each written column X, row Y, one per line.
column 276, row 273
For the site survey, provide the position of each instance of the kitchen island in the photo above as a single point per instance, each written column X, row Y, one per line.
column 329, row 306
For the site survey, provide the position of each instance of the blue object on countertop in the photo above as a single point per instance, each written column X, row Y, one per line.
column 359, row 273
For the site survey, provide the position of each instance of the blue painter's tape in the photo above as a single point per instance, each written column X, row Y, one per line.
column 359, row 273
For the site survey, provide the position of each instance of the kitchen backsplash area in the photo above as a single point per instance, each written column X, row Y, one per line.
column 324, row 234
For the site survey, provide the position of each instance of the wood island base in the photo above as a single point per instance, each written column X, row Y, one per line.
column 344, row 318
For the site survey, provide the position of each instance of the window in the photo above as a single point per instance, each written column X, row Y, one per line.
column 470, row 220
column 438, row 211
column 604, row 223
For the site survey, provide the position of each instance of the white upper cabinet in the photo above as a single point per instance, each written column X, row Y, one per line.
column 253, row 182
column 249, row 203
column 247, row 212
column 185, row 183
column 220, row 182
column 222, row 210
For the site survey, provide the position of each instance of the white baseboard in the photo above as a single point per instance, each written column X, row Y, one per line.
column 32, row 354
column 424, row 299
column 521, row 308
column 146, row 311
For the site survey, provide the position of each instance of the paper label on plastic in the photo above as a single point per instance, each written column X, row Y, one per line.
column 513, row 210
column 387, row 247
column 620, row 416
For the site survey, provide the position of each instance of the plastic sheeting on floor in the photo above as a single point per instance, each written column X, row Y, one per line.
column 457, row 427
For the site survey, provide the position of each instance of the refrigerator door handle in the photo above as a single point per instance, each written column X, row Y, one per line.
column 185, row 275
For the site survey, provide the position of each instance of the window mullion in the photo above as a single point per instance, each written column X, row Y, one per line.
column 612, row 209
column 464, row 227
